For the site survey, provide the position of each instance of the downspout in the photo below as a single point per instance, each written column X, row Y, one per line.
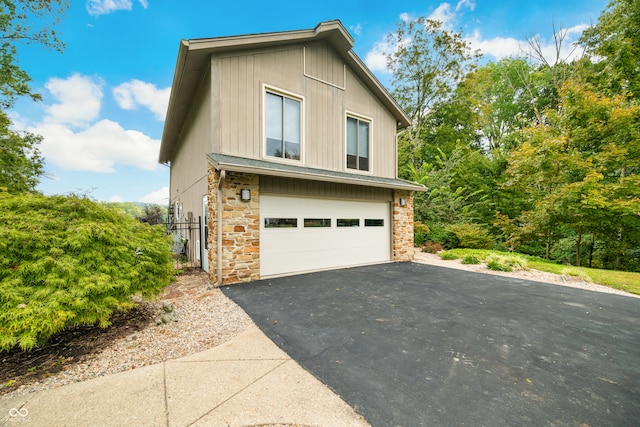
column 223, row 175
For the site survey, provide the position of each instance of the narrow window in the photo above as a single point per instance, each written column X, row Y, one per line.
column 357, row 144
column 317, row 222
column 283, row 130
column 348, row 222
column 374, row 222
column 280, row 222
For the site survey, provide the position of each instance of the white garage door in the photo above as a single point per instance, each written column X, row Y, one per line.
column 304, row 234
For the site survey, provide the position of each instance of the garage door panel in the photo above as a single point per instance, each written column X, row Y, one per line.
column 289, row 250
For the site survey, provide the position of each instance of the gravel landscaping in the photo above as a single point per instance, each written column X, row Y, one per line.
column 203, row 317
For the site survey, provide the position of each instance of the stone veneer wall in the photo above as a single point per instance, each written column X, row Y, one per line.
column 240, row 228
column 403, row 226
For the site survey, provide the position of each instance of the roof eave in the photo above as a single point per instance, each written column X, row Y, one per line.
column 315, row 176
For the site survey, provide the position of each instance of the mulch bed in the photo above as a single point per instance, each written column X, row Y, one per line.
column 18, row 366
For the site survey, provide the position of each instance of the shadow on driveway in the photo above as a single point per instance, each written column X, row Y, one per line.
column 418, row 345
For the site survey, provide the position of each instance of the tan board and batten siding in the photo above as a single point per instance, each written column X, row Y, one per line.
column 188, row 167
column 240, row 80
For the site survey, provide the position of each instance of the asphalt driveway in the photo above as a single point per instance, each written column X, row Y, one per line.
column 418, row 345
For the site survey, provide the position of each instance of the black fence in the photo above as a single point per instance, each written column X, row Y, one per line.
column 187, row 247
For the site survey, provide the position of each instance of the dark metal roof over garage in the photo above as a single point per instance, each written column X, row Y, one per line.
column 263, row 167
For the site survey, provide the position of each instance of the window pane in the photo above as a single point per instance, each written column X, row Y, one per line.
column 348, row 222
column 280, row 222
column 363, row 146
column 352, row 143
column 292, row 128
column 274, row 125
column 374, row 222
column 317, row 222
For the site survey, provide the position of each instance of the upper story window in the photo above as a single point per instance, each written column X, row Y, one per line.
column 358, row 144
column 283, row 126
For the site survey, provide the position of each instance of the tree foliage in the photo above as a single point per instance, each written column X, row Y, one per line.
column 542, row 151
column 615, row 42
column 21, row 164
column 582, row 170
column 67, row 261
column 23, row 22
column 427, row 64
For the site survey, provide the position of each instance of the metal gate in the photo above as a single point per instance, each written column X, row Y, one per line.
column 187, row 247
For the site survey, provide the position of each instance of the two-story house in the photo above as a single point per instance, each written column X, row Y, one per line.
column 286, row 144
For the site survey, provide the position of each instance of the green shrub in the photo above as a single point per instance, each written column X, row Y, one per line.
column 420, row 233
column 439, row 233
column 470, row 259
column 67, row 261
column 506, row 262
column 448, row 256
column 472, row 236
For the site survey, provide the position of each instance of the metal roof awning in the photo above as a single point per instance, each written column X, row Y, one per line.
column 263, row 167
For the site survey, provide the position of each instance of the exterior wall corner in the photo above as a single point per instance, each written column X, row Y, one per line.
column 403, row 226
column 240, row 228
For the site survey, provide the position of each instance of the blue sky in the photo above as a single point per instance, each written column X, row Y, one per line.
column 105, row 96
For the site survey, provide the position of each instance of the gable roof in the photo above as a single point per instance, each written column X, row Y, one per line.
column 193, row 61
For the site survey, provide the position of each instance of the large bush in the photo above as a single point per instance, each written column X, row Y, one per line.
column 67, row 261
column 420, row 233
column 472, row 236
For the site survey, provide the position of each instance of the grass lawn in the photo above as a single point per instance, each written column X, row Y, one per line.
column 623, row 280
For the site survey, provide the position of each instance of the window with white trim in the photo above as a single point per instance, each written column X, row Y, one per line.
column 357, row 144
column 283, row 130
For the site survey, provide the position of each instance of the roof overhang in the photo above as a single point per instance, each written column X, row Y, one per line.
column 284, row 170
column 194, row 61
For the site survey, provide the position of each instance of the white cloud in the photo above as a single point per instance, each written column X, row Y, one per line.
column 502, row 47
column 134, row 93
column 470, row 4
column 74, row 139
column 376, row 58
column 79, row 99
column 160, row 196
column 356, row 29
column 444, row 14
column 104, row 7
column 497, row 47
column 116, row 199
column 98, row 148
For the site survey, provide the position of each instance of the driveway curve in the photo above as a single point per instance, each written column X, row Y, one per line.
column 417, row 345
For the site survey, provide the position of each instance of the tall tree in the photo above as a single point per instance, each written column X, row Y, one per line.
column 22, row 22
column 581, row 170
column 427, row 64
column 614, row 41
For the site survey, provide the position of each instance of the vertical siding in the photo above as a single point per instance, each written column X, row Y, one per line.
column 300, row 187
column 240, row 80
column 321, row 62
column 359, row 100
column 188, row 181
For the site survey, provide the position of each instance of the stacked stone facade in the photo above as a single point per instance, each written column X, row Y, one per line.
column 240, row 227
column 403, row 226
